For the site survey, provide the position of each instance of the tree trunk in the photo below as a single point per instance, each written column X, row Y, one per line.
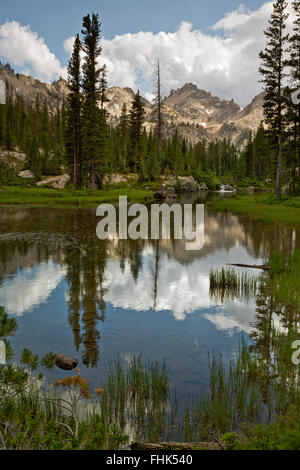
column 279, row 167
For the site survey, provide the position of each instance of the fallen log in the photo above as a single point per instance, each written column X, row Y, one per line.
column 264, row 267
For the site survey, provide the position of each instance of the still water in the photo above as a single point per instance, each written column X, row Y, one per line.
column 100, row 300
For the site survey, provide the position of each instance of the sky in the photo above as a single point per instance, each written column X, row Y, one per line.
column 211, row 43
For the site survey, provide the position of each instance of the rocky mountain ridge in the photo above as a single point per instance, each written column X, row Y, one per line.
column 196, row 113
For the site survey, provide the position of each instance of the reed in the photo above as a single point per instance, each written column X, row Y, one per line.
column 227, row 284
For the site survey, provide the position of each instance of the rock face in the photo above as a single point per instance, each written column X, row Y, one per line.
column 55, row 182
column 198, row 114
column 26, row 174
column 29, row 88
column 65, row 362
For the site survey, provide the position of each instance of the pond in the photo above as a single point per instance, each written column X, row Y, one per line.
column 102, row 300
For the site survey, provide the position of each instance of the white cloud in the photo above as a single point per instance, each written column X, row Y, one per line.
column 224, row 62
column 31, row 287
column 23, row 48
column 182, row 288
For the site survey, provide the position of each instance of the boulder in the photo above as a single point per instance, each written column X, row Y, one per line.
column 26, row 174
column 160, row 195
column 171, row 193
column 55, row 182
column 203, row 187
column 118, row 179
column 227, row 188
column 187, row 184
column 250, row 190
column 285, row 189
column 65, row 362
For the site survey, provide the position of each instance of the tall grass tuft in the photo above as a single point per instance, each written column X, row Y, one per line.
column 137, row 398
column 227, row 284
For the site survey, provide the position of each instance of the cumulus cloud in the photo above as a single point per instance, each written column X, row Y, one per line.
column 31, row 287
column 24, row 48
column 224, row 61
column 182, row 288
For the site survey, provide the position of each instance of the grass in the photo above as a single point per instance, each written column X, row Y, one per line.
column 285, row 278
column 136, row 399
column 265, row 208
column 52, row 197
column 228, row 284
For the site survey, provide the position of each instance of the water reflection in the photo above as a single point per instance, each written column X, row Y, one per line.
column 46, row 251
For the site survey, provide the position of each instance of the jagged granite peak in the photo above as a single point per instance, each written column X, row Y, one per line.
column 195, row 113
column 29, row 88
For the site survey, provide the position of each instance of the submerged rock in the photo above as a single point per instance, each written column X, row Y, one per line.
column 65, row 362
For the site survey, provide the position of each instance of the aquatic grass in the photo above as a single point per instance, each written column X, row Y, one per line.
column 137, row 397
column 285, row 277
column 228, row 284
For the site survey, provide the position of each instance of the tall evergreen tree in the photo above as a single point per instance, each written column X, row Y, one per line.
column 294, row 108
column 103, row 86
column 91, row 131
column 137, row 114
column 158, row 101
column 124, row 135
column 273, row 73
column 74, row 103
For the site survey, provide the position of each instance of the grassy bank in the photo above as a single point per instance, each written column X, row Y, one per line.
column 265, row 208
column 45, row 196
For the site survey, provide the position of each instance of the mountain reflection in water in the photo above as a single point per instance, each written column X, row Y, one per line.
column 98, row 299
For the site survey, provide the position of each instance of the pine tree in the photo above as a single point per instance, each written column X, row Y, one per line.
column 103, row 86
column 124, row 135
column 73, row 113
column 137, row 114
column 294, row 107
column 273, row 73
column 158, row 101
column 91, row 97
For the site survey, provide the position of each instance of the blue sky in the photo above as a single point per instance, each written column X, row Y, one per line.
column 58, row 19
column 212, row 43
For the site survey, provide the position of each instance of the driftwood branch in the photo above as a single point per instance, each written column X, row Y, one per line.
column 264, row 267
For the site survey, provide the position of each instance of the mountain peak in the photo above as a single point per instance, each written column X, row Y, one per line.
column 196, row 113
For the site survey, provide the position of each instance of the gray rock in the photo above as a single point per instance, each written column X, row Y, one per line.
column 55, row 182
column 228, row 188
column 65, row 362
column 187, row 184
column 160, row 195
column 26, row 174
column 250, row 190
